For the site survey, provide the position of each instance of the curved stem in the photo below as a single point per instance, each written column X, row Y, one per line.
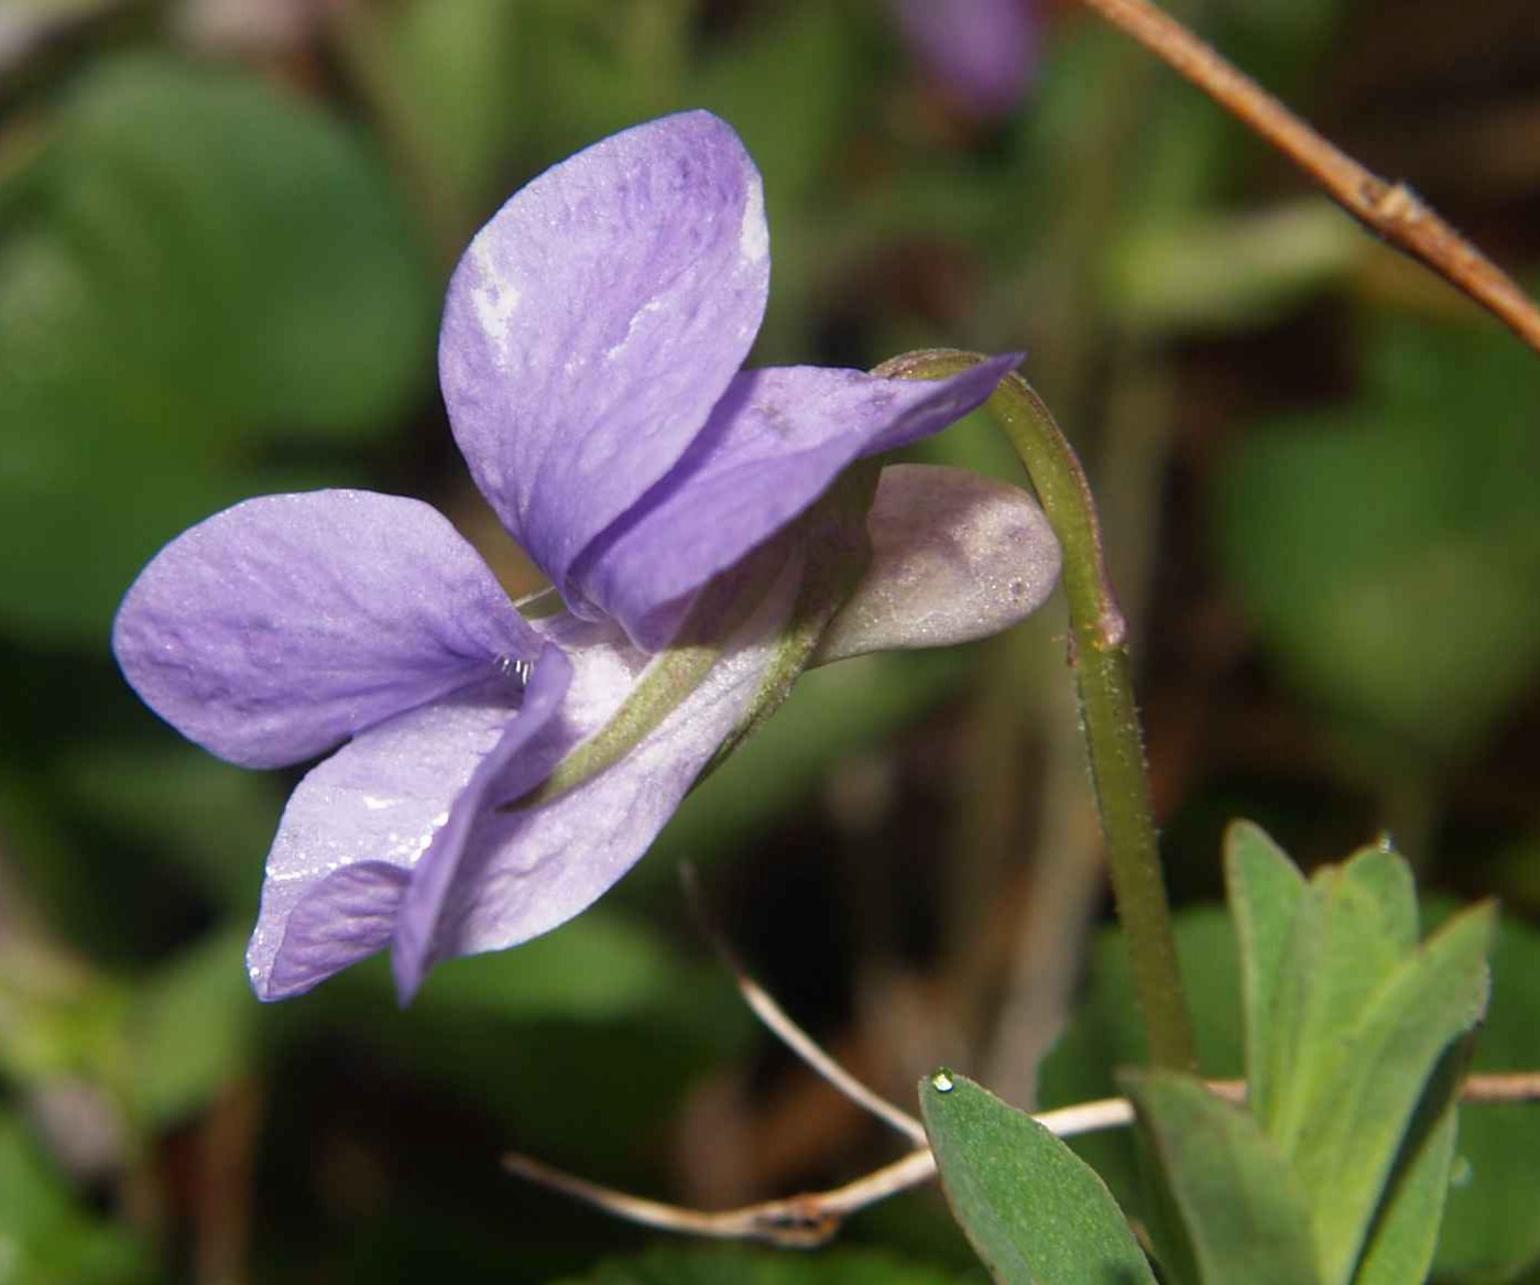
column 1099, row 659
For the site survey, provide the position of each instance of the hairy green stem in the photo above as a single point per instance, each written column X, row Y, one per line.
column 1099, row 659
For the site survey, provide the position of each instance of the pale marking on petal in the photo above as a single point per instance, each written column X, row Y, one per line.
column 754, row 233
column 493, row 298
column 647, row 309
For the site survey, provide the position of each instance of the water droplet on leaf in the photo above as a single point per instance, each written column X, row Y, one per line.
column 942, row 1082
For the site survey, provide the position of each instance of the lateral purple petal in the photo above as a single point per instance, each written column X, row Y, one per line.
column 513, row 876
column 378, row 801
column 276, row 629
column 595, row 321
column 775, row 443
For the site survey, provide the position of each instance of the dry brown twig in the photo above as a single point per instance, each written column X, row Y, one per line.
column 811, row 1218
column 1391, row 209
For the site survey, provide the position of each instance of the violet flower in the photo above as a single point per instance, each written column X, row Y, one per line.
column 980, row 52
column 590, row 360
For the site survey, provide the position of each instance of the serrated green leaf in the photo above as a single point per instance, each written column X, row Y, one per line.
column 740, row 1266
column 1034, row 1211
column 1346, row 1148
column 1244, row 1215
column 1265, row 891
column 1356, row 926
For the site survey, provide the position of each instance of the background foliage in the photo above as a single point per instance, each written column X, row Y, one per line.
column 224, row 230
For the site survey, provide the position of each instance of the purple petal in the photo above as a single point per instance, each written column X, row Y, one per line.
column 343, row 918
column 378, row 801
column 517, row 875
column 982, row 52
column 775, row 443
column 531, row 747
column 955, row 557
column 595, row 321
column 279, row 627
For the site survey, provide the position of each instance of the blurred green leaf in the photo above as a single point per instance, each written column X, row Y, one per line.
column 46, row 1235
column 1245, row 1216
column 1389, row 551
column 1221, row 273
column 216, row 820
column 190, row 1030
column 1491, row 1227
column 739, row 1266
column 1032, row 1209
column 192, row 266
column 1265, row 891
column 597, row 967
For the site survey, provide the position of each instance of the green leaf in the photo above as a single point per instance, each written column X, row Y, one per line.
column 46, row 1236
column 191, row 1029
column 736, row 1265
column 1365, row 542
column 1356, row 926
column 1265, row 891
column 1346, row 1148
column 598, row 967
column 1491, row 1225
column 1033, row 1210
column 193, row 267
column 1246, row 1218
column 1405, row 1232
column 1230, row 271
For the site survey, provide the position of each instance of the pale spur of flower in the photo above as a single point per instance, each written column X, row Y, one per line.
column 982, row 53
column 590, row 358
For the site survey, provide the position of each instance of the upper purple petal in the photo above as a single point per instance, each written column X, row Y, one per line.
column 595, row 321
column 279, row 627
column 374, row 807
column 775, row 443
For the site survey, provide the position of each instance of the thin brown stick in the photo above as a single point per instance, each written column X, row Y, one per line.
column 810, row 1219
column 1391, row 209
column 802, row 1221
column 795, row 1222
column 764, row 1006
column 799, row 1042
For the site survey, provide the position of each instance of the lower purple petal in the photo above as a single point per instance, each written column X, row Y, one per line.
column 530, row 748
column 378, row 801
column 343, row 918
column 776, row 441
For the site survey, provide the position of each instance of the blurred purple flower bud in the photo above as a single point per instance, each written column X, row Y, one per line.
column 590, row 360
column 981, row 52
